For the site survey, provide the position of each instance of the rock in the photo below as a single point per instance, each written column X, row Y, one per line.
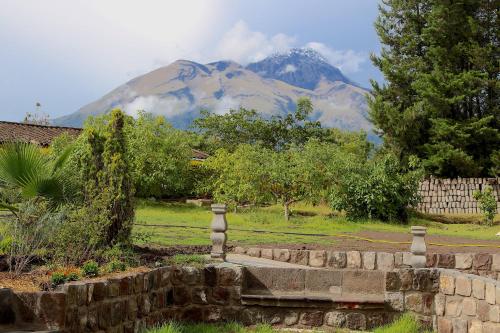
column 313, row 319
column 490, row 293
column 317, row 258
column 446, row 260
column 463, row 286
column 469, row 306
column 444, row 325
column 254, row 252
column 266, row 254
column 495, row 265
column 7, row 315
column 337, row 259
column 459, row 325
column 392, row 281
column 356, row 321
column 291, row 318
column 447, row 284
column 395, row 301
column 453, row 307
column 353, row 259
column 439, row 304
column 463, row 261
column 483, row 311
column 495, row 314
column 476, row 326
column 281, row 255
column 482, row 261
column 369, row 260
column 300, row 257
column 239, row 250
column 335, row 319
column 230, row 276
column 478, row 288
column 385, row 261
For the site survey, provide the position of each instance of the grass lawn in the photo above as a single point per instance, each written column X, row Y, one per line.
column 306, row 219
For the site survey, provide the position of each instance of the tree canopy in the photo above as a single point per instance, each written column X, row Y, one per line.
column 441, row 96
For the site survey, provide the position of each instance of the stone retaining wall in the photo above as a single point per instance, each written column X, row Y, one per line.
column 455, row 196
column 482, row 264
column 467, row 303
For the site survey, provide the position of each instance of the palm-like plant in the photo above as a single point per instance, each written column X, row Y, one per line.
column 25, row 167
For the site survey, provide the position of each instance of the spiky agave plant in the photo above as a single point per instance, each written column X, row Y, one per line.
column 25, row 167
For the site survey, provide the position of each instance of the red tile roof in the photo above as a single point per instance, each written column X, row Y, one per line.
column 38, row 134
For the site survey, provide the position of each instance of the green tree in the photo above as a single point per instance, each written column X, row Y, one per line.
column 249, row 127
column 160, row 157
column 441, row 96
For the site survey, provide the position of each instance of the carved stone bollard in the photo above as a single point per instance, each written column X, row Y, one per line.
column 418, row 248
column 218, row 236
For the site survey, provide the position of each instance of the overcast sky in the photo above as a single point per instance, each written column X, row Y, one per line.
column 67, row 53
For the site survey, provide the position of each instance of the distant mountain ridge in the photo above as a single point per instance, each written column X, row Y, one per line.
column 270, row 86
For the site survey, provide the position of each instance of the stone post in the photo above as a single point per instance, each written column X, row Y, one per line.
column 418, row 248
column 218, row 236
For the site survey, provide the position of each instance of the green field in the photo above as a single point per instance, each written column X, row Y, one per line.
column 306, row 219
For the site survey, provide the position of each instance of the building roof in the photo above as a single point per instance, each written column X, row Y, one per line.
column 44, row 134
column 38, row 134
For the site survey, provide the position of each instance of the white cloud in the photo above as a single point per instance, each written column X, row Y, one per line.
column 225, row 104
column 348, row 61
column 290, row 68
column 244, row 45
column 164, row 106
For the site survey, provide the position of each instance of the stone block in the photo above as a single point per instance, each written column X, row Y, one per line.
column 356, row 321
column 439, row 304
column 444, row 325
column 446, row 260
column 182, row 295
column 491, row 328
column 279, row 279
column 266, row 254
column 495, row 314
column 220, row 295
column 407, row 259
column 138, row 283
column 483, row 311
column 355, row 282
column 76, row 293
column 425, row 280
column 495, row 264
column 453, row 307
column 497, row 292
column 459, row 325
column 431, row 260
column 230, row 276
column 254, row 252
column 324, row 281
column 482, row 261
column 312, row 319
column 7, row 315
column 210, row 276
column 447, row 284
column 478, row 288
column 463, row 286
column 463, row 260
column 395, row 301
column 475, row 326
column 406, row 276
column 317, row 258
column 353, row 259
column 385, row 261
column 239, row 250
column 300, row 257
column 337, row 259
column 335, row 319
column 469, row 306
column 490, row 293
column 281, row 255
column 369, row 260
column 186, row 276
column 392, row 281
column 199, row 295
column 398, row 259
column 291, row 318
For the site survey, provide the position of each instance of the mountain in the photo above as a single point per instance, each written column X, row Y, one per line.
column 271, row 86
column 303, row 68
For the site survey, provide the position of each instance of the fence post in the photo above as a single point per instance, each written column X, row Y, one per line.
column 418, row 248
column 218, row 236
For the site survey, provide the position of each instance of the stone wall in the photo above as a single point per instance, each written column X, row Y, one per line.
column 467, row 303
column 454, row 196
column 482, row 264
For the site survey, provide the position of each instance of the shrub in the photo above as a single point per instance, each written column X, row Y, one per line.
column 116, row 266
column 57, row 278
column 377, row 189
column 90, row 269
column 487, row 203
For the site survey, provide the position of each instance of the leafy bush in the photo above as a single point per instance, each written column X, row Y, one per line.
column 59, row 277
column 90, row 269
column 377, row 189
column 116, row 266
column 487, row 203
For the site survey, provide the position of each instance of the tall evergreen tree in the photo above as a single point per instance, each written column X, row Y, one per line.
column 440, row 59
